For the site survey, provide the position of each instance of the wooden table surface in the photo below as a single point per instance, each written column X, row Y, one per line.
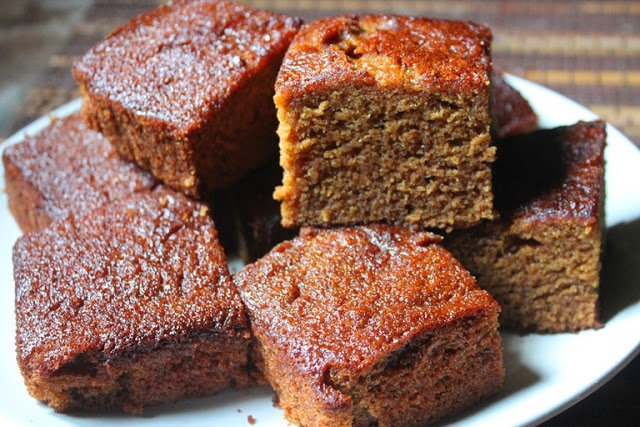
column 588, row 51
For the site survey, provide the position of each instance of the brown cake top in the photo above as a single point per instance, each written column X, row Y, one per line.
column 74, row 168
column 180, row 62
column 143, row 272
column 337, row 299
column 387, row 50
column 552, row 174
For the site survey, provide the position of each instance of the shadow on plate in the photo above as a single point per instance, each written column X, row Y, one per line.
column 619, row 287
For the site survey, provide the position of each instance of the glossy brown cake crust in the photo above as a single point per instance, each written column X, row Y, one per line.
column 387, row 50
column 386, row 119
column 511, row 113
column 541, row 258
column 186, row 90
column 552, row 175
column 66, row 169
column 371, row 325
column 129, row 306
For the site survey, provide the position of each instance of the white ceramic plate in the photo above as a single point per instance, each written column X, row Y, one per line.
column 544, row 373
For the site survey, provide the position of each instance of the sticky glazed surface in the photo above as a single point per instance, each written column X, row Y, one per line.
column 387, row 50
column 143, row 272
column 552, row 175
column 180, row 62
column 66, row 169
column 334, row 307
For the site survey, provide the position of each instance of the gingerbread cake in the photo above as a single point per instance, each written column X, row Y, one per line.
column 386, row 119
column 373, row 325
column 511, row 113
column 129, row 306
column 186, row 90
column 258, row 219
column 67, row 168
column 541, row 258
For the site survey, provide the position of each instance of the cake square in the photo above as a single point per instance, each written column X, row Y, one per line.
column 128, row 306
column 66, row 169
column 186, row 90
column 541, row 258
column 370, row 325
column 386, row 119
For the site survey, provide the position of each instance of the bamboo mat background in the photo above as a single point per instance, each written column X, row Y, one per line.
column 586, row 50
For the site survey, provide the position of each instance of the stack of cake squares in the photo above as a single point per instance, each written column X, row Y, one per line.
column 399, row 146
column 360, row 319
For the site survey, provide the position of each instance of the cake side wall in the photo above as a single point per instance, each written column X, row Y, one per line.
column 300, row 395
column 546, row 279
column 24, row 201
column 437, row 372
column 241, row 136
column 151, row 145
column 357, row 155
column 198, row 366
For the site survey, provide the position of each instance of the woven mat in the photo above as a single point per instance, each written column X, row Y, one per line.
column 588, row 51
